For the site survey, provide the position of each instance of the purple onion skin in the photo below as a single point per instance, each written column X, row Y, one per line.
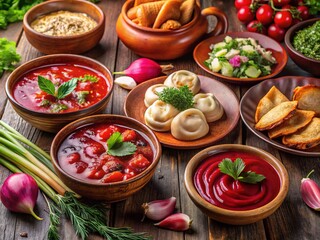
column 19, row 193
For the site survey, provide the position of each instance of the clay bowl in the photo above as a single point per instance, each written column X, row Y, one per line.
column 64, row 44
column 53, row 122
column 235, row 217
column 114, row 191
column 149, row 42
column 306, row 63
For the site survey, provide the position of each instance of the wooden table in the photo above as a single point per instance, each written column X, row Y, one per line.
column 293, row 220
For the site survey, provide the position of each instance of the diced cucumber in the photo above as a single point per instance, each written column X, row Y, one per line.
column 216, row 65
column 268, row 68
column 227, row 69
column 252, row 72
column 219, row 45
column 228, row 39
column 248, row 48
column 232, row 53
column 221, row 52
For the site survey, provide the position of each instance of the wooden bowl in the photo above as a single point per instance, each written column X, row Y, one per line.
column 235, row 217
column 53, row 122
column 64, row 44
column 306, row 63
column 109, row 192
column 149, row 42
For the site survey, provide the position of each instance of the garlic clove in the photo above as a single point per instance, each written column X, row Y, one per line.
column 310, row 192
column 176, row 222
column 159, row 209
column 125, row 82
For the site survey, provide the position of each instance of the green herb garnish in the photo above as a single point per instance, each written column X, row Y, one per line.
column 8, row 55
column 181, row 98
column 235, row 170
column 117, row 147
column 63, row 90
column 88, row 78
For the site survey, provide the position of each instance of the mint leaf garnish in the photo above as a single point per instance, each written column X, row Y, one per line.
column 46, row 85
column 66, row 88
column 235, row 170
column 117, row 147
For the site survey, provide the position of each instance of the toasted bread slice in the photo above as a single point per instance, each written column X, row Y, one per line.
column 308, row 98
column 277, row 115
column 187, row 8
column 170, row 10
column 305, row 138
column 273, row 98
column 300, row 119
column 148, row 12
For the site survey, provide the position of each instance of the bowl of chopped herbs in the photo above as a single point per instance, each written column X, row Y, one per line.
column 303, row 45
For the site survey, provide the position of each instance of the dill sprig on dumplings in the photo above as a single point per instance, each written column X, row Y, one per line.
column 181, row 98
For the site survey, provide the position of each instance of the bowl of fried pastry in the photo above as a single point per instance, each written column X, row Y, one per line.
column 285, row 112
column 146, row 26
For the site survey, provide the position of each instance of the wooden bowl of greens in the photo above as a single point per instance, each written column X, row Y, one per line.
column 301, row 40
column 54, row 90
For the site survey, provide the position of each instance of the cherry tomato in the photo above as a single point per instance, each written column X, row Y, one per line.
column 129, row 135
column 139, row 163
column 73, row 157
column 93, row 149
column 107, row 132
column 112, row 177
column 245, row 14
column 280, row 3
column 304, row 12
column 283, row 19
column 241, row 3
column 256, row 26
column 264, row 14
column 96, row 174
column 276, row 32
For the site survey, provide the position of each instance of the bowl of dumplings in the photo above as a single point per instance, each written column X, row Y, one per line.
column 145, row 26
column 184, row 109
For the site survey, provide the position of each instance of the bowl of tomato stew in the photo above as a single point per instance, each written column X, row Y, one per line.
column 105, row 157
column 51, row 91
column 236, row 184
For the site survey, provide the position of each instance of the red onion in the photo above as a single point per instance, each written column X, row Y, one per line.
column 143, row 69
column 159, row 209
column 176, row 222
column 19, row 193
column 310, row 192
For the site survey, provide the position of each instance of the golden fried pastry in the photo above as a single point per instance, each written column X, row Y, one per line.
column 148, row 12
column 186, row 9
column 170, row 10
column 171, row 25
column 308, row 98
column 132, row 13
column 277, row 115
column 273, row 98
column 305, row 138
column 299, row 120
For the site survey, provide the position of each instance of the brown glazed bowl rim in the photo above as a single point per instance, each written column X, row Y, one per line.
column 210, row 151
column 290, row 34
column 71, row 127
column 27, row 24
column 64, row 55
column 129, row 3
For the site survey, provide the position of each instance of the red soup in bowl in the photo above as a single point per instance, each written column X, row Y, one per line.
column 60, row 88
column 86, row 153
column 224, row 191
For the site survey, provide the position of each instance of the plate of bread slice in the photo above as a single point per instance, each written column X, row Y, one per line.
column 285, row 112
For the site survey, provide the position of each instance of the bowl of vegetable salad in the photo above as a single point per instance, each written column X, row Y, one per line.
column 241, row 57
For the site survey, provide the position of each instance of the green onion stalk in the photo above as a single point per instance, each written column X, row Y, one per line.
column 18, row 154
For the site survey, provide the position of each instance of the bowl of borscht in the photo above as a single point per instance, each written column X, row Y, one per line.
column 236, row 184
column 54, row 90
column 105, row 157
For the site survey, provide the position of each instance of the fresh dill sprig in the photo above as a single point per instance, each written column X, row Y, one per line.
column 54, row 215
column 181, row 98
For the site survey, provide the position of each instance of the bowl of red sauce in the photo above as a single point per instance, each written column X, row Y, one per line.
column 105, row 157
column 236, row 184
column 51, row 91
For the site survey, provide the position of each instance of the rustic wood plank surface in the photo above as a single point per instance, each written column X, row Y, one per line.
column 293, row 220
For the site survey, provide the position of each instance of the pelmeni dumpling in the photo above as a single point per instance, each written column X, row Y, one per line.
column 209, row 105
column 151, row 94
column 184, row 78
column 189, row 124
column 159, row 116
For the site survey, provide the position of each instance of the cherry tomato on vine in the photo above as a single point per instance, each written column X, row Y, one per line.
column 241, row 3
column 283, row 19
column 264, row 14
column 256, row 26
column 276, row 32
column 280, row 3
column 245, row 14
column 304, row 12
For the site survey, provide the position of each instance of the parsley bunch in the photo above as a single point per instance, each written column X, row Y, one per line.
column 181, row 98
column 8, row 55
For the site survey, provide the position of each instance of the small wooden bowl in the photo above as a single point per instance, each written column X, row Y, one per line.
column 66, row 44
column 232, row 216
column 53, row 122
column 109, row 192
column 306, row 63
